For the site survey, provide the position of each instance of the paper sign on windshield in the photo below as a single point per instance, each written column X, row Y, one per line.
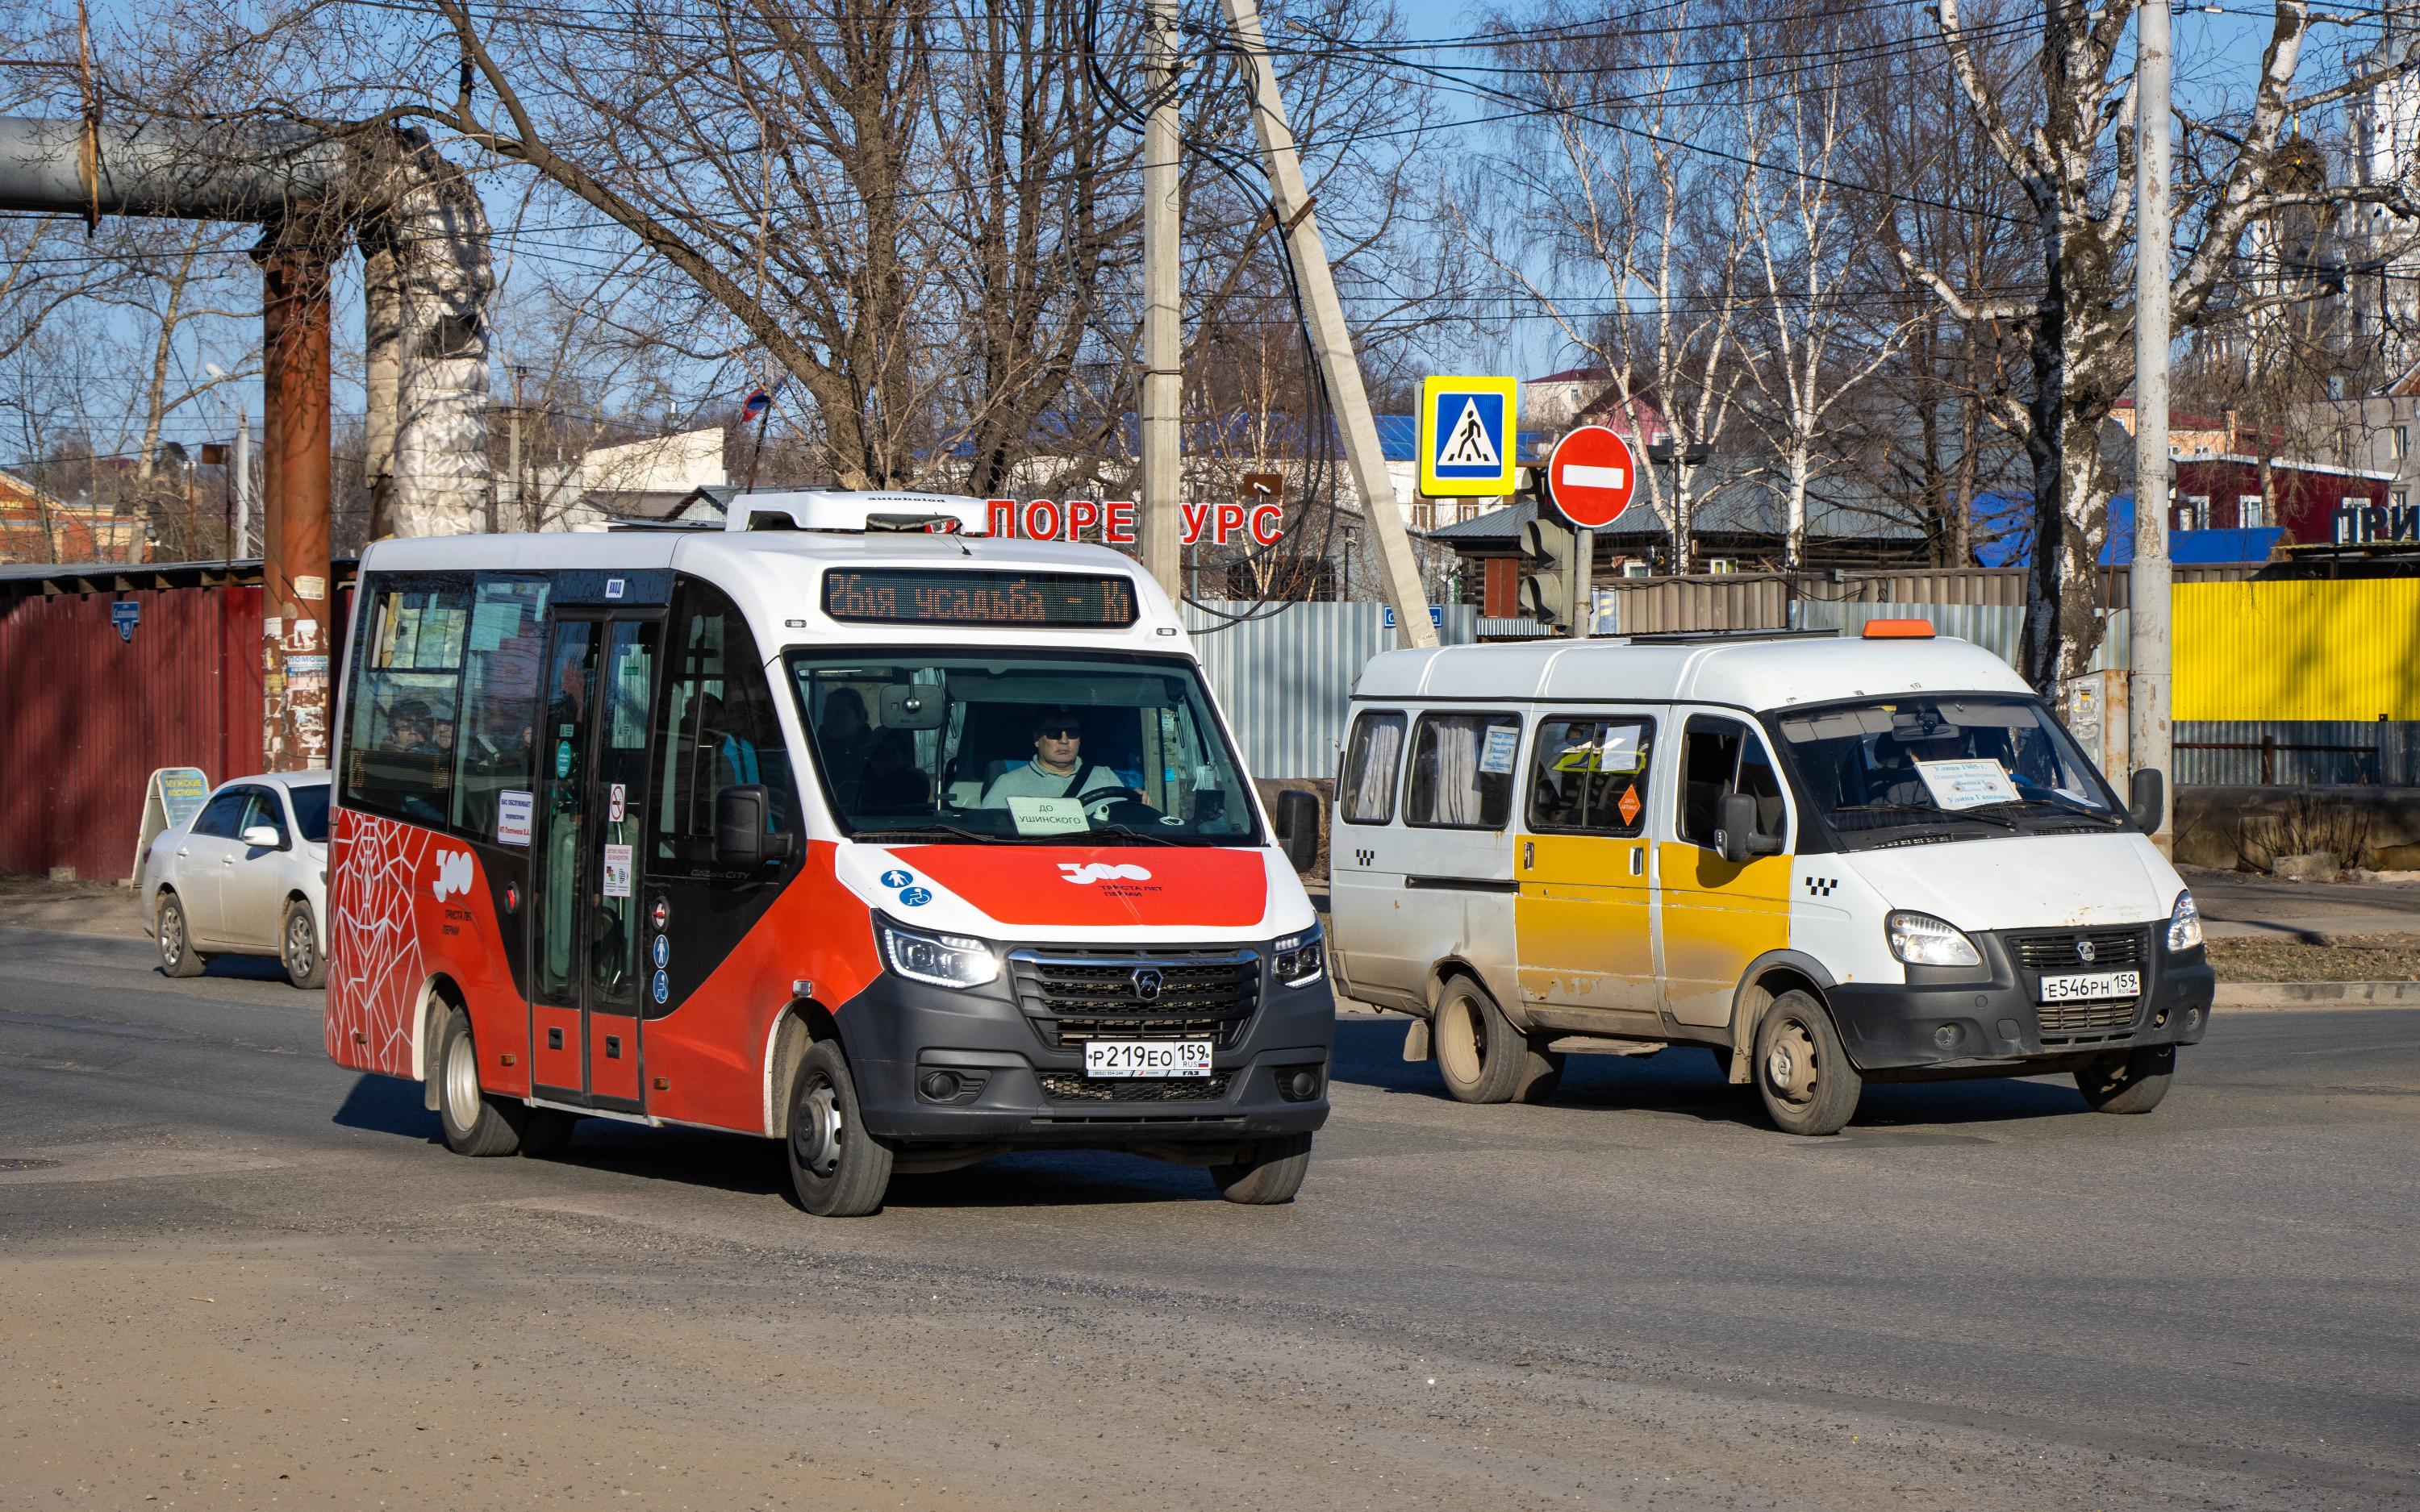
column 1046, row 816
column 1967, row 784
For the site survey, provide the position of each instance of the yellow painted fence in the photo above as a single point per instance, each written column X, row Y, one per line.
column 2346, row 649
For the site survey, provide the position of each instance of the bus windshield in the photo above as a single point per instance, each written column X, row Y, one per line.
column 1955, row 765
column 1038, row 746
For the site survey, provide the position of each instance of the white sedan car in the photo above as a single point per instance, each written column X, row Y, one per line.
column 246, row 875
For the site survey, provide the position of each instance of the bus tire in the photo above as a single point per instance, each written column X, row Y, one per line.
column 837, row 1169
column 1482, row 1055
column 298, row 947
column 1802, row 1070
column 1265, row 1173
column 175, row 937
column 475, row 1123
column 2130, row 1083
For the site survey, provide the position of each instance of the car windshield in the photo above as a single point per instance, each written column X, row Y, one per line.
column 1956, row 766
column 310, row 802
column 1039, row 746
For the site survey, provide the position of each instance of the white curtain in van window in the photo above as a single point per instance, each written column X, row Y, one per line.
column 1382, row 752
column 1458, row 799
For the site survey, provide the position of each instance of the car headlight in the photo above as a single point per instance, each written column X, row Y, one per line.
column 1922, row 940
column 1299, row 959
column 2184, row 924
column 942, row 960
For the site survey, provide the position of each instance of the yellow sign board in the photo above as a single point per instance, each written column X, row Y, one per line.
column 1469, row 431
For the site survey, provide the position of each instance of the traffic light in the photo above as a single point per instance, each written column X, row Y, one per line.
column 1549, row 559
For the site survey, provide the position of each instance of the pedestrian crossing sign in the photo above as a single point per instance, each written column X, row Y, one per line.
column 1468, row 435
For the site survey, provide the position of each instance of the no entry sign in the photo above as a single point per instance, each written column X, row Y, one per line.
column 1591, row 477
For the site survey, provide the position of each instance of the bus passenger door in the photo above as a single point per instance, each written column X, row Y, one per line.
column 1584, row 914
column 586, row 972
column 1719, row 915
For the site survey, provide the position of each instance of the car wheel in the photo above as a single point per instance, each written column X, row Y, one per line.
column 475, row 1123
column 299, row 947
column 1482, row 1055
column 2132, row 1083
column 1265, row 1173
column 1802, row 1070
column 837, row 1169
column 178, row 957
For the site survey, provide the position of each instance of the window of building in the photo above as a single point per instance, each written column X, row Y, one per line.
column 406, row 692
column 2191, row 513
column 1461, row 771
column 2251, row 512
column 1588, row 776
column 2402, row 442
column 1372, row 758
column 719, row 729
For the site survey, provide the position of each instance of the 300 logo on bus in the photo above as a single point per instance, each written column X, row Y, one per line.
column 1098, row 871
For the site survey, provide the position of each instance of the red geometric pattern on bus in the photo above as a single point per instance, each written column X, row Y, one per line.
column 374, row 959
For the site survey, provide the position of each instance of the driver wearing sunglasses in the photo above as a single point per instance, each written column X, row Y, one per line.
column 1057, row 769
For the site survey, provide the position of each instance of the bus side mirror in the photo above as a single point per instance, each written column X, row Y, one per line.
column 1736, row 837
column 2146, row 798
column 741, row 814
column 1298, row 828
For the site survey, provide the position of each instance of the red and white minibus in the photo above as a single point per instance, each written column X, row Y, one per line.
column 847, row 826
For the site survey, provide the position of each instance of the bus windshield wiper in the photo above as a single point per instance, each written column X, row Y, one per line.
column 941, row 828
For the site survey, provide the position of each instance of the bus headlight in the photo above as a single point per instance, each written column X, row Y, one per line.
column 1299, row 959
column 1922, row 940
column 942, row 960
column 2184, row 923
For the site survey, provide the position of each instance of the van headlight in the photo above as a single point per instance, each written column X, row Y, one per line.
column 2184, row 924
column 942, row 960
column 1299, row 959
column 1922, row 940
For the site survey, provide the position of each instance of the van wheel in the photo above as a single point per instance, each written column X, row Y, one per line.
column 1483, row 1057
column 178, row 957
column 298, row 948
column 1266, row 1173
column 2132, row 1083
column 475, row 1122
column 837, row 1169
column 1802, row 1071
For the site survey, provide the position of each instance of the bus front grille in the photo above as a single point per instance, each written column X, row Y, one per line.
column 1071, row 996
column 1072, row 1087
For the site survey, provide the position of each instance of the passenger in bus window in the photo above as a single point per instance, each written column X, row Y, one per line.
column 407, row 730
column 845, row 741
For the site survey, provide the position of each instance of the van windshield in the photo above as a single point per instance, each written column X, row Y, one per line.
column 1041, row 746
column 1914, row 768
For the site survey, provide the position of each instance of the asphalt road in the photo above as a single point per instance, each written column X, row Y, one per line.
column 241, row 1276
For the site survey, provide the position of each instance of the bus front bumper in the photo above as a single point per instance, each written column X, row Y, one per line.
column 937, row 1066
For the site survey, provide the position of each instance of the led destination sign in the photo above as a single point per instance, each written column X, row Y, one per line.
column 929, row 595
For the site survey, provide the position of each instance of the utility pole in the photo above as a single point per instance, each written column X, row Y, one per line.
column 1398, row 572
column 2149, row 735
column 241, row 544
column 1163, row 314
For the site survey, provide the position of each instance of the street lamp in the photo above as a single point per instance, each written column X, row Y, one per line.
column 241, row 474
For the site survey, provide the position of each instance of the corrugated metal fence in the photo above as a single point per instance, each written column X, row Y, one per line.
column 1998, row 628
column 1283, row 680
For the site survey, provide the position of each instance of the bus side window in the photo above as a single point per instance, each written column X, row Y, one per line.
column 719, row 730
column 502, row 668
column 1373, row 759
column 406, row 700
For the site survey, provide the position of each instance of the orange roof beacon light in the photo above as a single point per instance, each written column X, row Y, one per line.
column 1898, row 630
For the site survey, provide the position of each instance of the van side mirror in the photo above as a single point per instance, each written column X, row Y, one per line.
column 1736, row 837
column 2146, row 798
column 1298, row 828
column 740, row 814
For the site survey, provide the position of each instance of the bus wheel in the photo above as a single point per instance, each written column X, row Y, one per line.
column 475, row 1123
column 837, row 1169
column 2132, row 1083
column 1482, row 1057
column 1802, row 1070
column 178, row 957
column 298, row 945
column 1268, row 1172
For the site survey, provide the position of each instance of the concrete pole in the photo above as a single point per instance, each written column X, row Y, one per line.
column 296, row 673
column 1398, row 572
column 242, row 544
column 1163, row 314
column 513, row 466
column 2149, row 735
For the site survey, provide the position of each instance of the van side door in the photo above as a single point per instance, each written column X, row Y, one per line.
column 1718, row 915
column 1461, row 777
column 1585, row 913
column 1365, row 864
